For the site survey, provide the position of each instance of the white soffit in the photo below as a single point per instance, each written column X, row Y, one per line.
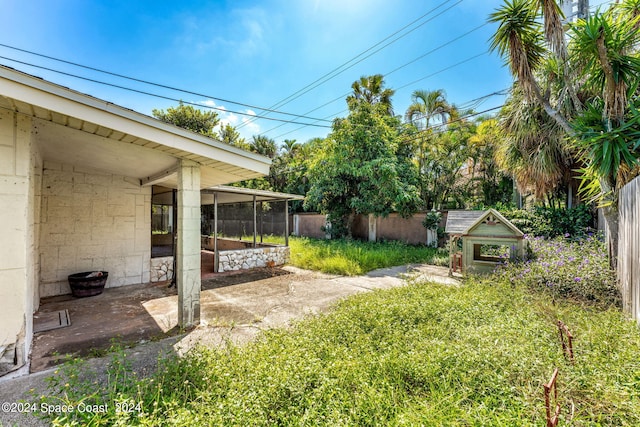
column 79, row 129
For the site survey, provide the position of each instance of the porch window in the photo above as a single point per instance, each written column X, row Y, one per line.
column 163, row 218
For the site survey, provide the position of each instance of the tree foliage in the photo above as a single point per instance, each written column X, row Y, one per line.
column 371, row 90
column 364, row 167
column 601, row 70
column 190, row 118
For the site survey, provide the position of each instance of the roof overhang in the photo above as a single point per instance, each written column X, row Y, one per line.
column 227, row 194
column 74, row 128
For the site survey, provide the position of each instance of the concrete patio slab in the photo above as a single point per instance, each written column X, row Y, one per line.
column 235, row 308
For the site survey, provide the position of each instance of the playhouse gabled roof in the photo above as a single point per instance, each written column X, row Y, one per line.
column 463, row 222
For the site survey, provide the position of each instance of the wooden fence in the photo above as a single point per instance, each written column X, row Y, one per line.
column 629, row 248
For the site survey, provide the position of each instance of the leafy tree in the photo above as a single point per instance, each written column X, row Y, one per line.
column 604, row 54
column 190, row 118
column 370, row 89
column 231, row 136
column 362, row 168
column 263, row 145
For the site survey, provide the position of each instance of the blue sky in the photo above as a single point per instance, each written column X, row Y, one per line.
column 259, row 53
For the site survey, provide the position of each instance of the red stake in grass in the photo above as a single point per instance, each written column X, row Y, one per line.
column 567, row 347
column 552, row 420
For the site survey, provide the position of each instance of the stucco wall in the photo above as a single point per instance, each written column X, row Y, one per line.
column 407, row 230
column 309, row 225
column 92, row 221
column 20, row 169
column 394, row 227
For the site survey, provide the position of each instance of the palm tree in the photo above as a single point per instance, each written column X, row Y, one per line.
column 290, row 146
column 263, row 145
column 601, row 50
column 534, row 150
column 370, row 89
column 518, row 39
column 426, row 106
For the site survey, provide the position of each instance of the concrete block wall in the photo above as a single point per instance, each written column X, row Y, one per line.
column 20, row 171
column 92, row 221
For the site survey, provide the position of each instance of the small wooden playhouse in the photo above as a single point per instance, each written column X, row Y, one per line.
column 487, row 238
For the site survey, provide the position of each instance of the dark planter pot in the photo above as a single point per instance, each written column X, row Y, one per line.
column 84, row 286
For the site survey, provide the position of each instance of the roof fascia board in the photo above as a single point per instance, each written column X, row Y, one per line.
column 66, row 101
column 249, row 191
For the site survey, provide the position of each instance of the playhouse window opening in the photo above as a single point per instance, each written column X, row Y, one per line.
column 493, row 253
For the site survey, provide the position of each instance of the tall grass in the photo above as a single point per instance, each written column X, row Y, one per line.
column 423, row 354
column 352, row 257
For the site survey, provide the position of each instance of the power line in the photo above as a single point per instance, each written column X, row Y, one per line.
column 456, row 120
column 159, row 96
column 325, row 78
column 472, row 101
column 437, row 48
column 399, row 68
column 401, row 87
column 444, row 69
column 122, row 76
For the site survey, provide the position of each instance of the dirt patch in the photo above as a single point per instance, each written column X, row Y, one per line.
column 244, row 276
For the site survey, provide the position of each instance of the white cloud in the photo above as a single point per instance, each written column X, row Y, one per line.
column 249, row 127
column 210, row 103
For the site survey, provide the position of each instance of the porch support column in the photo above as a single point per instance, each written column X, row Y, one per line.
column 216, row 256
column 188, row 248
column 286, row 222
column 255, row 220
column 261, row 222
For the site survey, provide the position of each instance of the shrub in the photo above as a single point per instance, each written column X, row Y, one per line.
column 577, row 269
column 551, row 222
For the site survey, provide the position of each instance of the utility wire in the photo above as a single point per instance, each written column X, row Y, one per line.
column 328, row 76
column 401, row 87
column 443, row 125
column 159, row 96
column 393, row 71
column 122, row 76
column 481, row 98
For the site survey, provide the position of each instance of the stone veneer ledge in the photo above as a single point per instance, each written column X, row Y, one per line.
column 251, row 258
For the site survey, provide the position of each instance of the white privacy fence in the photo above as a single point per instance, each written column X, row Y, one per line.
column 629, row 248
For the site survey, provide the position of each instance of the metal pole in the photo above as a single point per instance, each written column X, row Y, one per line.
column 286, row 222
column 215, row 233
column 255, row 220
column 261, row 221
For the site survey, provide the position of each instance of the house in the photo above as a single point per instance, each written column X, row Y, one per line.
column 76, row 179
column 486, row 237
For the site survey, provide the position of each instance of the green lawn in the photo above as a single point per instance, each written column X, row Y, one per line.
column 353, row 257
column 423, row 354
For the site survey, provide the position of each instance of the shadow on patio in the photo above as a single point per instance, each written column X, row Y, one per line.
column 133, row 314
